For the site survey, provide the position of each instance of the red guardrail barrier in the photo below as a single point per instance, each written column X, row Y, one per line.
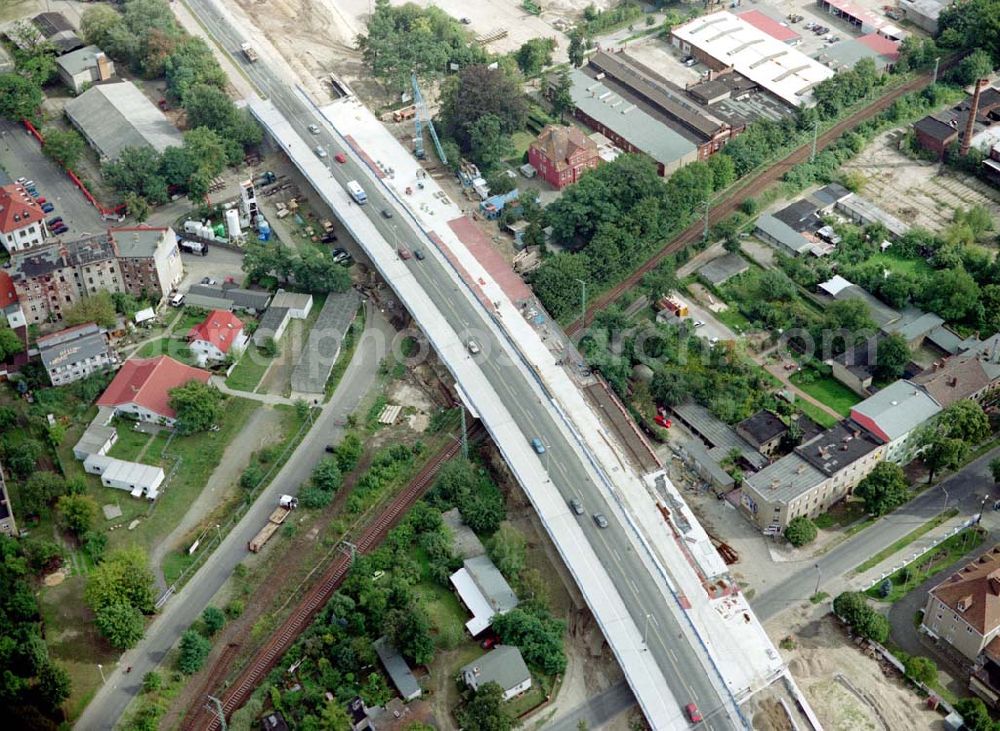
column 117, row 212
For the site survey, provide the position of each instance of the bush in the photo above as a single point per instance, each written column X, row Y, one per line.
column 315, row 498
column 800, row 531
column 194, row 649
column 853, row 608
column 235, row 608
column 214, row 620
column 921, row 669
column 151, row 682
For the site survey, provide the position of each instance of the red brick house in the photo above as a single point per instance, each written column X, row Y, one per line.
column 562, row 154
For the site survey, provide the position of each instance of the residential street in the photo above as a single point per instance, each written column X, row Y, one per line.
column 964, row 489
column 107, row 706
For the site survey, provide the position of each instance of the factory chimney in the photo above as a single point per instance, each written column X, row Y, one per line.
column 970, row 125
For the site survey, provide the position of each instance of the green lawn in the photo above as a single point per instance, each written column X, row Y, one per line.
column 248, row 372
column 841, row 515
column 130, row 442
column 74, row 643
column 199, row 455
column 347, row 348
column 930, row 563
column 734, row 320
column 815, row 413
column 521, row 141
column 281, row 448
column 827, row 390
column 176, row 347
column 901, row 265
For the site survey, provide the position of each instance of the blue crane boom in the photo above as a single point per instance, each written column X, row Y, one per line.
column 423, row 116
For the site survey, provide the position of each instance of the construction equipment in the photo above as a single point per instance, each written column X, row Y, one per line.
column 423, row 116
column 249, row 52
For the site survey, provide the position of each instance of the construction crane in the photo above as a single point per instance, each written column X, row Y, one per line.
column 424, row 117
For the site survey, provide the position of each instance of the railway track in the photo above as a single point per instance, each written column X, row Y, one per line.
column 753, row 184
column 202, row 719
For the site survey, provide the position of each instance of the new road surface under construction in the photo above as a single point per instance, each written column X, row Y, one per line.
column 202, row 717
column 754, row 183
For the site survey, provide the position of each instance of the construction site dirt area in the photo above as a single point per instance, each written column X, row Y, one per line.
column 920, row 192
column 848, row 690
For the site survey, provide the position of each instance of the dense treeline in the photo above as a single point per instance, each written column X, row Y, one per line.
column 146, row 37
column 683, row 365
column 614, row 216
column 410, row 39
column 32, row 687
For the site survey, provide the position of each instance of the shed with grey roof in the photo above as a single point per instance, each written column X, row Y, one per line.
column 781, row 236
column 193, row 299
column 483, row 590
column 96, row 439
column 720, row 437
column 83, row 67
column 115, row 115
column 247, row 300
column 722, row 269
column 502, row 665
column 913, row 325
column 627, row 126
column 310, row 374
column 863, row 212
column 398, row 669
column 272, row 325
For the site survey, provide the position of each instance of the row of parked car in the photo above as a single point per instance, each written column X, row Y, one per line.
column 55, row 224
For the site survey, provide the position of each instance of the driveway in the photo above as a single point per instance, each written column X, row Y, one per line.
column 712, row 327
column 218, row 264
column 110, row 702
column 21, row 156
column 259, row 431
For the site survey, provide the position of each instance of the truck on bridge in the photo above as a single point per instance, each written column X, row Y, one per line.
column 286, row 504
column 249, row 51
column 357, row 192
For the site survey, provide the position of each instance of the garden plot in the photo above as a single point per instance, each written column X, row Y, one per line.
column 923, row 193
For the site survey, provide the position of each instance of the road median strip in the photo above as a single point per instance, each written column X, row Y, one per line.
column 905, row 541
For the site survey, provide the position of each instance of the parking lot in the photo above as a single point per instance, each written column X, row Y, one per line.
column 21, row 156
column 217, row 264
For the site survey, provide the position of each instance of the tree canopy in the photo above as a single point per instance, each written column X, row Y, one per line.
column 486, row 710
column 198, row 406
column 884, row 489
column 478, row 92
column 31, row 685
column 800, row 531
column 409, row 39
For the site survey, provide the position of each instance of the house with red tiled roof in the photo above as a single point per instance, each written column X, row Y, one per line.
column 22, row 223
column 10, row 306
column 220, row 334
column 141, row 388
column 562, row 154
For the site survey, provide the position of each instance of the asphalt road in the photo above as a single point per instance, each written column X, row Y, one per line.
column 597, row 711
column 965, row 490
column 182, row 610
column 666, row 638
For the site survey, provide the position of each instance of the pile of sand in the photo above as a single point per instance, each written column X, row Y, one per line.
column 827, row 666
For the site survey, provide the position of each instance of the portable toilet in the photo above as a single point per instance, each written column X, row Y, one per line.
column 263, row 229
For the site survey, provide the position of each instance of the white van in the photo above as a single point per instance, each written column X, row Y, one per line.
column 177, row 300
